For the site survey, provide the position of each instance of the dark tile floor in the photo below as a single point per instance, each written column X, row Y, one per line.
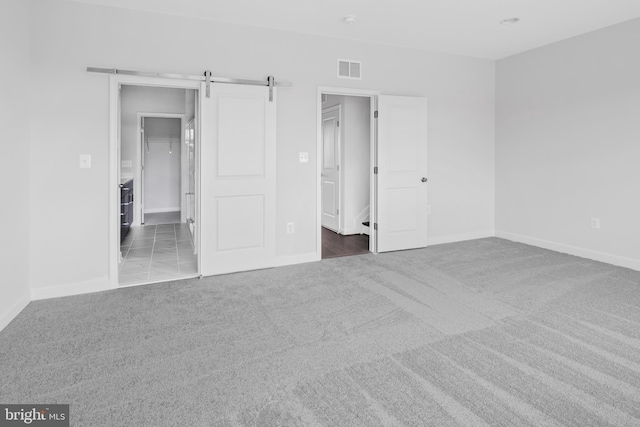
column 155, row 253
column 336, row 245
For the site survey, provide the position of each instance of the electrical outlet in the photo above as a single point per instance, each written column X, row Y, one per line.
column 291, row 227
column 304, row 157
column 595, row 223
column 126, row 163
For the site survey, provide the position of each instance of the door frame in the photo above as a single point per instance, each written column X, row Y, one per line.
column 115, row 82
column 373, row 184
column 338, row 155
column 138, row 201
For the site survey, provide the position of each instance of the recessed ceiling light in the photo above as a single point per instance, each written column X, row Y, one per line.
column 349, row 19
column 510, row 21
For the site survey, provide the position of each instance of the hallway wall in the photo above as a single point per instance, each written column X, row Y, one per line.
column 567, row 147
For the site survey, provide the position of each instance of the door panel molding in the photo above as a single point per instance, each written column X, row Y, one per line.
column 402, row 167
column 238, row 184
column 331, row 175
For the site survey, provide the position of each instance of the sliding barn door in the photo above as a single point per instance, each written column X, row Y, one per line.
column 402, row 172
column 238, row 179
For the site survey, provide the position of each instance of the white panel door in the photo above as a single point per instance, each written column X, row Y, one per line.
column 402, row 172
column 331, row 168
column 238, row 179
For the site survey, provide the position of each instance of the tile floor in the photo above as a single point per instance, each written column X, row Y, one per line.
column 155, row 253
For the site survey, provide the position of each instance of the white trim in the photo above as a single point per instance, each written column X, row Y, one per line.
column 160, row 280
column 162, row 210
column 336, row 107
column 8, row 316
column 282, row 261
column 453, row 238
column 352, row 231
column 373, row 96
column 113, row 190
column 88, row 287
column 617, row 260
column 115, row 81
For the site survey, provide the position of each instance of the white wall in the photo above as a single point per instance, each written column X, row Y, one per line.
column 141, row 99
column 14, row 161
column 568, row 145
column 162, row 165
column 70, row 117
column 332, row 101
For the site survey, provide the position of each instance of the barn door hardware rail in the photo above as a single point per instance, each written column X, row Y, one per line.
column 206, row 77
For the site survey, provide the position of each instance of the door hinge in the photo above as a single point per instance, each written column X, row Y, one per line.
column 337, row 211
column 337, row 167
column 338, row 123
column 375, row 114
column 375, row 225
column 375, row 170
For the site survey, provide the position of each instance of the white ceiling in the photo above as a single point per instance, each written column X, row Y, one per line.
column 462, row 27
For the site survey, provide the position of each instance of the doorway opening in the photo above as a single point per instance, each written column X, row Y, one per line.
column 161, row 145
column 157, row 173
column 346, row 174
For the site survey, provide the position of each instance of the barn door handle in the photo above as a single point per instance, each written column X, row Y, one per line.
column 423, row 179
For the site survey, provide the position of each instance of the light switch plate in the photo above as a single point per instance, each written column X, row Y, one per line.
column 85, row 161
column 304, row 157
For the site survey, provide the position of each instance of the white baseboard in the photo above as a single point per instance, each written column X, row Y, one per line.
column 9, row 315
column 96, row 285
column 351, row 231
column 620, row 261
column 161, row 210
column 460, row 237
column 281, row 261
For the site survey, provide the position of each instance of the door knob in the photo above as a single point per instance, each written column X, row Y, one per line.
column 423, row 179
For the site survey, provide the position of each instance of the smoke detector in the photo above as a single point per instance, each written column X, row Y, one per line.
column 510, row 21
column 349, row 19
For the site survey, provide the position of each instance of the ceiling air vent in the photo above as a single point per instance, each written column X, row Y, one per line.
column 348, row 69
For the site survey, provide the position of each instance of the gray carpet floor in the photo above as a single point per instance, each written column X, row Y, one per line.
column 485, row 332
